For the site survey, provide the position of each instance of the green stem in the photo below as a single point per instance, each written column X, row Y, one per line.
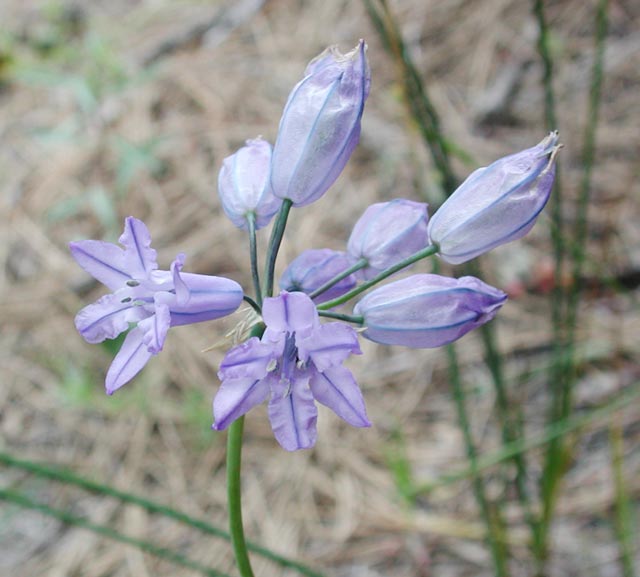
column 253, row 255
column 69, row 478
column 554, row 431
column 418, row 101
column 623, row 509
column 362, row 263
column 494, row 530
column 274, row 245
column 21, row 500
column 557, row 458
column 424, row 253
column 234, row 498
column 342, row 317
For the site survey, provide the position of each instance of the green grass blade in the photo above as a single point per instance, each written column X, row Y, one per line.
column 22, row 500
column 68, row 477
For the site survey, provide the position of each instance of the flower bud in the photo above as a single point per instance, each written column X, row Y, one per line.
column 388, row 232
column 427, row 310
column 320, row 125
column 313, row 268
column 496, row 204
column 244, row 185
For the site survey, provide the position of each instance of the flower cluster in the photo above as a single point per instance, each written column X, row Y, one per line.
column 293, row 360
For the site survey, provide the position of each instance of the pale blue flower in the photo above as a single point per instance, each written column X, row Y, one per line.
column 296, row 362
column 153, row 300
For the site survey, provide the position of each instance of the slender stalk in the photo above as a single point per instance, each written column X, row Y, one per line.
column 234, row 454
column 424, row 253
column 416, row 96
column 495, row 535
column 67, row 477
column 21, row 500
column 553, row 431
column 253, row 255
column 623, row 509
column 557, row 458
column 274, row 246
column 362, row 263
column 253, row 304
column 342, row 317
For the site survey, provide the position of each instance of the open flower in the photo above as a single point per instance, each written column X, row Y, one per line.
column 297, row 360
column 152, row 299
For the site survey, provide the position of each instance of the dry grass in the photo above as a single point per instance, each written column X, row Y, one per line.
column 337, row 506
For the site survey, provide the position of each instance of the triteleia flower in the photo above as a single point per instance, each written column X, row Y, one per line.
column 427, row 310
column 315, row 267
column 152, row 299
column 296, row 361
column 320, row 125
column 496, row 204
column 244, row 185
column 388, row 232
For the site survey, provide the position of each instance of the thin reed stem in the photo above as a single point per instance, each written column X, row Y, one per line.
column 623, row 524
column 557, row 457
column 553, row 431
column 416, row 96
column 70, row 478
column 22, row 500
column 495, row 533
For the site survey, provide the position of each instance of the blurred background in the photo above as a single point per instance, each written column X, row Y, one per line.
column 118, row 108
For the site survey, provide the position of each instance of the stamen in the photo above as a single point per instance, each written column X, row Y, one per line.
column 133, row 283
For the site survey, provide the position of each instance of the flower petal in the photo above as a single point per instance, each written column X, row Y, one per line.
column 328, row 345
column 289, row 313
column 210, row 297
column 247, row 360
column 293, row 414
column 140, row 258
column 235, row 397
column 104, row 261
column 129, row 361
column 109, row 316
column 155, row 328
column 337, row 389
column 182, row 291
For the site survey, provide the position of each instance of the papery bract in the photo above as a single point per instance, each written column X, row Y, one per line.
column 296, row 362
column 388, row 232
column 152, row 299
column 320, row 125
column 495, row 204
column 244, row 185
column 315, row 267
column 427, row 310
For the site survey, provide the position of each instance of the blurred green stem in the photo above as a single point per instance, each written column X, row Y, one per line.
column 70, row 478
column 495, row 530
column 558, row 457
column 623, row 510
column 21, row 500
